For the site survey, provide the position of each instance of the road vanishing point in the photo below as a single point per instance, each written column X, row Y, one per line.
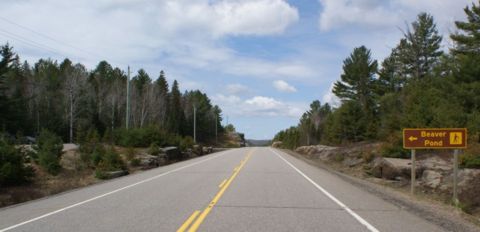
column 245, row 189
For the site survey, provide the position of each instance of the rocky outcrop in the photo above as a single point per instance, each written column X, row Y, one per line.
column 277, row 144
column 325, row 153
column 432, row 179
column 393, row 168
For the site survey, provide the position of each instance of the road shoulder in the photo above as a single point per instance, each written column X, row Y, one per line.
column 446, row 217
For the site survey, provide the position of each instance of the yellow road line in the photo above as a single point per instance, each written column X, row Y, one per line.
column 217, row 197
column 223, row 182
column 188, row 221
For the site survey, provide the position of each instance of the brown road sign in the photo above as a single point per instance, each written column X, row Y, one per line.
column 435, row 138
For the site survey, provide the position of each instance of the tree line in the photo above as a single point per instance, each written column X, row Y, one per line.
column 417, row 85
column 68, row 100
column 55, row 102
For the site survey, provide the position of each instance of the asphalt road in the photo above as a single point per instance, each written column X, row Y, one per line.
column 247, row 189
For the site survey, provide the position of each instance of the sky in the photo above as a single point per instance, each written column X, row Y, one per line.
column 262, row 61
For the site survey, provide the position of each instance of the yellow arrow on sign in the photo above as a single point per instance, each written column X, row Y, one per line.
column 412, row 138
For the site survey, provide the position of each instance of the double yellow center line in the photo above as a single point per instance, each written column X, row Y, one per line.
column 223, row 187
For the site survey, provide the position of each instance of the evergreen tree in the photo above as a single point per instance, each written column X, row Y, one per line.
column 176, row 117
column 161, row 103
column 8, row 57
column 422, row 49
column 358, row 84
column 357, row 81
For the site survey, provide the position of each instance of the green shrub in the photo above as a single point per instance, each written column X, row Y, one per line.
column 130, row 153
column 154, row 149
column 110, row 161
column 135, row 162
column 186, row 143
column 97, row 156
column 393, row 148
column 368, row 156
column 108, row 136
column 339, row 157
column 90, row 142
column 49, row 148
column 12, row 169
column 470, row 161
column 100, row 174
column 140, row 137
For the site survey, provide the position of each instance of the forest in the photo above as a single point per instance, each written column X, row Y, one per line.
column 419, row 85
column 51, row 103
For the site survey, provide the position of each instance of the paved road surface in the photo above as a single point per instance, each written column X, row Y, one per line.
column 247, row 189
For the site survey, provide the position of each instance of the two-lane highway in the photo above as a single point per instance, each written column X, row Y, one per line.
column 247, row 189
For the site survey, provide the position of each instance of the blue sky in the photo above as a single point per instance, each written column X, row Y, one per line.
column 261, row 61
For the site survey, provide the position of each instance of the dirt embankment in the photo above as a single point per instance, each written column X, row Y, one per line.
column 434, row 173
column 76, row 173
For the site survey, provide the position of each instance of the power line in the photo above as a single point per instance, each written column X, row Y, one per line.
column 50, row 38
column 28, row 42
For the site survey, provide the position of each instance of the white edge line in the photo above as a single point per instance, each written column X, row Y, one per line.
column 334, row 199
column 109, row 193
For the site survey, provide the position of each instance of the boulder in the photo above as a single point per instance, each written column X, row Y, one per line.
column 115, row 174
column 431, row 178
column 149, row 161
column 172, row 153
column 322, row 152
column 207, row 150
column 277, row 144
column 436, row 163
column 198, row 150
column 391, row 168
column 352, row 161
column 469, row 187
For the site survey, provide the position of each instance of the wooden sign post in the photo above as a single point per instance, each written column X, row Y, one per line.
column 435, row 138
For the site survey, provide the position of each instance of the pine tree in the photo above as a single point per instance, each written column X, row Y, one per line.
column 467, row 45
column 8, row 57
column 422, row 49
column 162, row 104
column 176, row 117
column 357, row 81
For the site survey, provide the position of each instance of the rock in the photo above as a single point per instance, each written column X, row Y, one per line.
column 198, row 150
column 469, row 187
column 149, row 161
column 207, row 150
column 390, row 168
column 277, row 144
column 69, row 146
column 435, row 163
column 325, row 153
column 115, row 174
column 431, row 179
column 351, row 162
column 172, row 153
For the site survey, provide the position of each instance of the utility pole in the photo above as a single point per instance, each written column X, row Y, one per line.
column 194, row 124
column 216, row 129
column 127, row 120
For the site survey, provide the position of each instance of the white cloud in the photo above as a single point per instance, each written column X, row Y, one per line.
column 390, row 13
column 237, row 89
column 283, row 86
column 267, row 106
column 259, row 17
column 226, row 99
column 336, row 13
column 179, row 32
column 258, row 106
column 330, row 98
